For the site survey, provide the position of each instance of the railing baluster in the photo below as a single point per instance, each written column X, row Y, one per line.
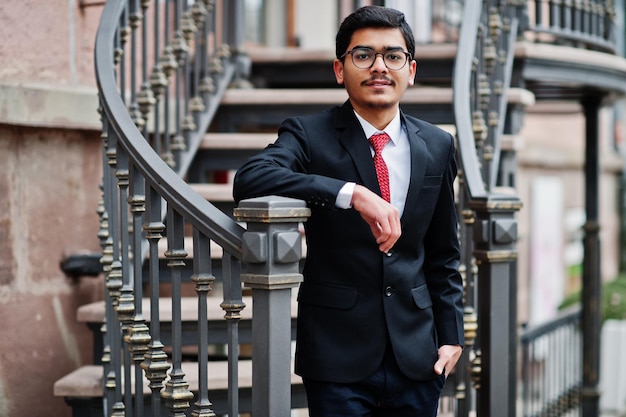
column 189, row 29
column 145, row 98
column 207, row 86
column 138, row 335
column 233, row 305
column 203, row 278
column 106, row 243
column 198, row 14
column 176, row 394
column 114, row 284
column 133, row 109
column 155, row 363
column 179, row 49
column 126, row 305
column 169, row 65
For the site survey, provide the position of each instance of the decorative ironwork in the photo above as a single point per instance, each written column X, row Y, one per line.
column 489, row 230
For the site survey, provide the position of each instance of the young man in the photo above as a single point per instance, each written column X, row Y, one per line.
column 380, row 318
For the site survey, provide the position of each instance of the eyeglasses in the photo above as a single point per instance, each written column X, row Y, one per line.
column 364, row 58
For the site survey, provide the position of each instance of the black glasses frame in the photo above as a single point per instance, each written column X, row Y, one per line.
column 361, row 48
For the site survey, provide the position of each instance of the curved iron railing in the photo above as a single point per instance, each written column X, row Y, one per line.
column 487, row 204
column 137, row 180
column 162, row 68
column 482, row 74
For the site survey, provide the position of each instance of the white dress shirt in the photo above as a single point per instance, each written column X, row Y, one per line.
column 397, row 156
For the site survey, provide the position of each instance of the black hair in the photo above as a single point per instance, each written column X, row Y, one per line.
column 373, row 16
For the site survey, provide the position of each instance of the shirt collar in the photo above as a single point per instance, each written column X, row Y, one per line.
column 393, row 129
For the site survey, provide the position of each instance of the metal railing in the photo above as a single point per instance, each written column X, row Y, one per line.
column 579, row 23
column 588, row 24
column 487, row 372
column 551, row 375
column 161, row 68
column 488, row 230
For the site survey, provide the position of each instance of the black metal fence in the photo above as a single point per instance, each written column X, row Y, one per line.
column 578, row 23
column 551, row 367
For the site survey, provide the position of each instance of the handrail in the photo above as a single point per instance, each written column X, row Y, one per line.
column 203, row 215
column 462, row 75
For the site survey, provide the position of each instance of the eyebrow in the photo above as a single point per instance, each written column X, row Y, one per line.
column 387, row 48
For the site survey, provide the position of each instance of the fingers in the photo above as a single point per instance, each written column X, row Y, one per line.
column 382, row 217
column 388, row 231
column 448, row 357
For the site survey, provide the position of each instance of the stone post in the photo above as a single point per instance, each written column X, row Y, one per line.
column 271, row 254
column 495, row 238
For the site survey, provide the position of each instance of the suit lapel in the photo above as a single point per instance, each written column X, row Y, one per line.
column 353, row 139
column 418, row 168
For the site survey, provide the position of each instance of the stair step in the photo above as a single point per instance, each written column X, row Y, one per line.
column 263, row 109
column 237, row 141
column 280, row 67
column 215, row 192
column 93, row 315
column 334, row 96
column 85, row 384
column 323, row 96
column 86, row 381
column 95, row 312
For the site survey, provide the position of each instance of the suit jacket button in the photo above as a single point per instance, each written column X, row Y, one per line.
column 389, row 291
column 388, row 254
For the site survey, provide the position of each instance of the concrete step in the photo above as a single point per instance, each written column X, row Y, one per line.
column 95, row 312
column 236, row 141
column 82, row 388
column 284, row 67
column 93, row 315
column 262, row 110
column 220, row 193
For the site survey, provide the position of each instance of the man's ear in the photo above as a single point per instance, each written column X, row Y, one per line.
column 413, row 72
column 338, row 68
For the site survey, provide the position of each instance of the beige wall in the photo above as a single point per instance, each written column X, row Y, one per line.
column 50, row 169
column 47, row 41
column 48, row 182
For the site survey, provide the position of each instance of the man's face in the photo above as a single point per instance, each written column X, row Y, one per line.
column 375, row 88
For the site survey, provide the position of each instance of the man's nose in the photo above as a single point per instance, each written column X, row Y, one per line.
column 379, row 64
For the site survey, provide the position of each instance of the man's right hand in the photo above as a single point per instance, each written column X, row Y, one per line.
column 382, row 217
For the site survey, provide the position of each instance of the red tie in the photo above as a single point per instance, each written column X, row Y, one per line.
column 378, row 142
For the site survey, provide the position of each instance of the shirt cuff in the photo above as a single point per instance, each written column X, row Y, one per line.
column 344, row 198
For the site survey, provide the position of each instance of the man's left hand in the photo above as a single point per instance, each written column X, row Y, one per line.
column 448, row 357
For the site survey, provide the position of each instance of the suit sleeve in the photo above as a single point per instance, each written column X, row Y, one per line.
column 442, row 261
column 283, row 168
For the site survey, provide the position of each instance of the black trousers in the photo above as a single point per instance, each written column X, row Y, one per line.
column 386, row 393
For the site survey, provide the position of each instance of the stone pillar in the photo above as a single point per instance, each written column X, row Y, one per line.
column 495, row 237
column 271, row 254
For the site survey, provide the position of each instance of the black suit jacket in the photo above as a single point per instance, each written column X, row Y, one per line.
column 355, row 300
